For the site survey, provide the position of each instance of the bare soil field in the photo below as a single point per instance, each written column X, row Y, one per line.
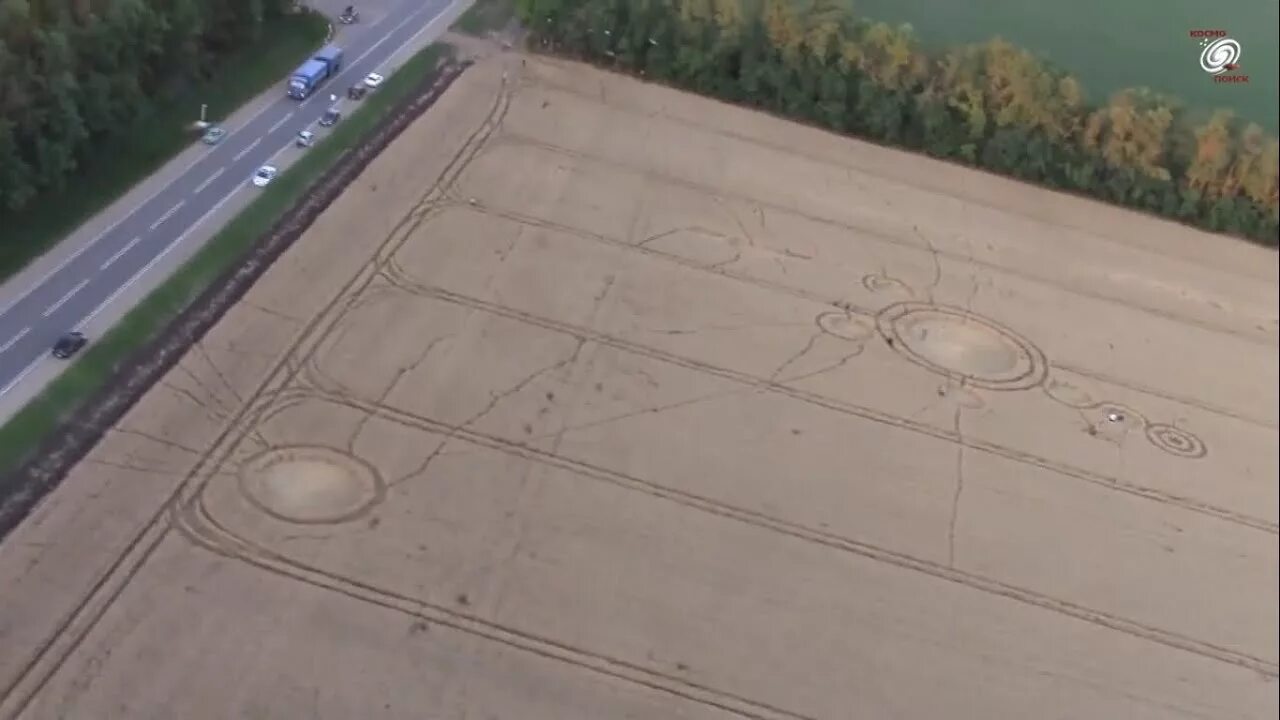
column 590, row 399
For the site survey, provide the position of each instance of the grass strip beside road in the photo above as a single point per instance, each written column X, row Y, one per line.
column 485, row 15
column 26, row 431
column 155, row 138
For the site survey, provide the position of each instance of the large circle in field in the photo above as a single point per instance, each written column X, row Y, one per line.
column 962, row 346
column 310, row 484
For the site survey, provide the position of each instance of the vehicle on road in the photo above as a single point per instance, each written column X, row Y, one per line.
column 311, row 74
column 213, row 135
column 265, row 175
column 356, row 92
column 305, row 139
column 349, row 15
column 69, row 344
column 373, row 80
column 330, row 118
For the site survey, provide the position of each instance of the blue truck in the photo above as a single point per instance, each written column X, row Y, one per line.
column 309, row 76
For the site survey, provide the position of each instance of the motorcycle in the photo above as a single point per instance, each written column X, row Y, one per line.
column 349, row 16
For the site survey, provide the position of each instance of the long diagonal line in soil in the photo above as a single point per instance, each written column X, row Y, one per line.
column 781, row 287
column 828, row 539
column 879, row 236
column 848, row 408
column 202, row 529
column 826, row 160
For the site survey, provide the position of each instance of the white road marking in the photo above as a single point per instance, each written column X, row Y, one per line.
column 246, row 151
column 137, row 275
column 280, row 122
column 14, row 340
column 265, row 107
column 63, row 300
column 120, row 252
column 39, row 283
column 130, row 213
column 125, row 216
column 271, row 160
column 167, row 214
column 18, row 378
column 200, row 188
column 439, row 16
column 388, row 34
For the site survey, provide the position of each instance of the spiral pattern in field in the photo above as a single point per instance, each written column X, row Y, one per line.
column 1218, row 55
column 1176, row 441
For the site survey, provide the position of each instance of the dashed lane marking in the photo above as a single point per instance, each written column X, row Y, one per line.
column 116, row 256
column 63, row 300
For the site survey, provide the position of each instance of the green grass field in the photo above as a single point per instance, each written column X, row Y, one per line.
column 485, row 15
column 90, row 372
column 1113, row 44
column 155, row 138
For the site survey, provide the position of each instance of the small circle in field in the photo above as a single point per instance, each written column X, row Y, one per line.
column 972, row 350
column 1176, row 441
column 845, row 326
column 311, row 484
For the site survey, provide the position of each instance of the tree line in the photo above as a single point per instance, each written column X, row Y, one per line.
column 993, row 105
column 76, row 73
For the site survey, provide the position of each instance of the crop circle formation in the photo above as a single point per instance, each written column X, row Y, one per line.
column 962, row 346
column 310, row 484
column 1176, row 441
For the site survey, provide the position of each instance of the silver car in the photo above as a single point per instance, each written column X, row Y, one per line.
column 265, row 175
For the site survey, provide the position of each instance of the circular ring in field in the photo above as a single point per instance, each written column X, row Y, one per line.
column 845, row 326
column 1176, row 441
column 1069, row 394
column 879, row 282
column 311, row 485
column 972, row 350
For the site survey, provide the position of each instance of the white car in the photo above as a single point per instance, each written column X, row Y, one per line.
column 265, row 175
column 373, row 80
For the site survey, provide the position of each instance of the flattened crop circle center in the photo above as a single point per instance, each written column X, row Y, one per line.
column 952, row 342
column 967, row 348
column 310, row 484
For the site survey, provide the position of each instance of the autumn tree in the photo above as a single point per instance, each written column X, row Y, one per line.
column 1130, row 133
column 889, row 55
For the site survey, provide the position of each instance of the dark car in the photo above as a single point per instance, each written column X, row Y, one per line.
column 330, row 117
column 356, row 92
column 69, row 344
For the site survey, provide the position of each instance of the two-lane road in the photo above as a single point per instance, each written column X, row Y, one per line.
column 92, row 278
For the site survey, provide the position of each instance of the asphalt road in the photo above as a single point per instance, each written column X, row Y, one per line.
column 90, row 279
